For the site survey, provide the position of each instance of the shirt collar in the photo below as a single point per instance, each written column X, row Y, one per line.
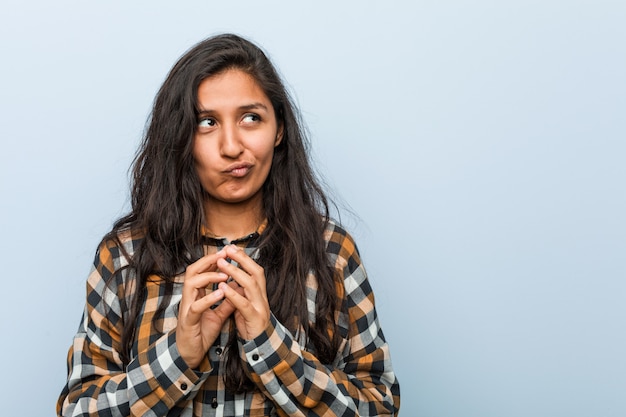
column 207, row 235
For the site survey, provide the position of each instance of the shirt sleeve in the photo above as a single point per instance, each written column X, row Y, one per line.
column 361, row 382
column 99, row 383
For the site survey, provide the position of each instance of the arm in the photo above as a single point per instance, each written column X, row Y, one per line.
column 360, row 382
column 99, row 383
column 298, row 383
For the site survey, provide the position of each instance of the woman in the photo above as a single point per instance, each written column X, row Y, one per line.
column 227, row 290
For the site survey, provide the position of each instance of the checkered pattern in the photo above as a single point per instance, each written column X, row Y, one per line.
column 290, row 380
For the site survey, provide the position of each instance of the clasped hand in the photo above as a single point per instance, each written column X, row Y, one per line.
column 199, row 324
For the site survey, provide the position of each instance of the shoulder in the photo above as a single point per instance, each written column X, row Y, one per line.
column 117, row 249
column 336, row 236
column 341, row 247
column 110, row 272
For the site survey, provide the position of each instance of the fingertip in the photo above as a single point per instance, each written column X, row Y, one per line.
column 224, row 287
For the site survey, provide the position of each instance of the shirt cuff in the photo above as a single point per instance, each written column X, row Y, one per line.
column 270, row 349
column 162, row 373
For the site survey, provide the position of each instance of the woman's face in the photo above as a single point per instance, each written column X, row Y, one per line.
column 235, row 138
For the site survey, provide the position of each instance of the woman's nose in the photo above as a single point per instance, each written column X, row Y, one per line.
column 230, row 142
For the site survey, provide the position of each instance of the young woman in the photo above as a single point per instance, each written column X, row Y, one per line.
column 227, row 290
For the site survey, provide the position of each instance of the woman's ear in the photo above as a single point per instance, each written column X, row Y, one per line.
column 279, row 135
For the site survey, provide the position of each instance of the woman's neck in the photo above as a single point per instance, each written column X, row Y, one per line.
column 233, row 221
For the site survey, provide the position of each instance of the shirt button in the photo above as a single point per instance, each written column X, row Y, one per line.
column 214, row 403
column 218, row 351
column 183, row 386
column 255, row 357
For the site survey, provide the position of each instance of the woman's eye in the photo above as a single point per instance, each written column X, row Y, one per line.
column 251, row 118
column 206, row 122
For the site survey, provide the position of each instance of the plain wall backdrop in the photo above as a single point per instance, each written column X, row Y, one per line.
column 480, row 144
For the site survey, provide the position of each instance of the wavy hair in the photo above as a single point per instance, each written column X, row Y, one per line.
column 167, row 202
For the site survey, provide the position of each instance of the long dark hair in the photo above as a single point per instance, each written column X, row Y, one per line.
column 167, row 207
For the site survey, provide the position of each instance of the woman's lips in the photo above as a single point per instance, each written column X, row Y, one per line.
column 238, row 170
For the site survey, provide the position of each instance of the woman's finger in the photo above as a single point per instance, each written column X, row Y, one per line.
column 206, row 263
column 195, row 287
column 239, row 275
column 198, row 307
column 205, row 279
column 251, row 318
column 196, row 276
column 236, row 298
column 245, row 262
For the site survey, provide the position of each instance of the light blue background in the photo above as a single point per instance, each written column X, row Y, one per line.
column 481, row 144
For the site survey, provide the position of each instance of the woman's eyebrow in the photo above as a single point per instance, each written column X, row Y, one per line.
column 253, row 106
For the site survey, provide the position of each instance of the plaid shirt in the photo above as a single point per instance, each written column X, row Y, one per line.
column 290, row 380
